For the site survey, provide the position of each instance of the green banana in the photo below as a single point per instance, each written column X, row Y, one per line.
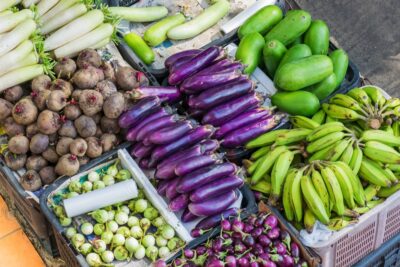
column 388, row 129
column 337, row 224
column 371, row 191
column 335, row 192
column 296, row 196
column 347, row 153
column 335, row 153
column 356, row 159
column 321, row 189
column 342, row 113
column 345, row 185
column 278, row 175
column 260, row 152
column 375, row 94
column 266, row 163
column 393, row 102
column 346, row 101
column 262, row 186
column 323, row 153
column 330, row 119
column 360, row 96
column 292, row 136
column 265, row 139
column 388, row 191
column 380, row 152
column 313, row 201
column 393, row 167
column 396, row 128
column 252, row 166
column 303, row 122
column 390, row 175
column 351, row 213
column 319, row 117
column 286, row 198
column 373, row 203
column 380, row 136
column 324, row 141
column 373, row 174
column 309, row 220
column 325, row 129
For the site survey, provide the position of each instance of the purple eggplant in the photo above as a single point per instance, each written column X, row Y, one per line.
column 179, row 203
column 222, row 94
column 162, row 187
column 191, row 138
column 191, row 164
column 177, row 56
column 161, row 112
column 271, row 222
column 179, row 63
column 205, row 175
column 198, row 83
column 214, row 205
column 244, row 119
column 195, row 150
column 215, row 188
column 230, row 261
column 241, row 136
column 294, row 250
column 157, row 124
column 167, row 171
column 213, row 221
column 144, row 163
column 170, row 134
column 264, row 240
column 287, row 261
column 279, row 247
column 195, row 113
column 141, row 151
column 199, row 62
column 274, row 233
column 285, row 237
column 169, row 94
column 187, row 216
column 209, row 146
column 140, row 110
column 225, row 112
column 171, row 192
column 219, row 65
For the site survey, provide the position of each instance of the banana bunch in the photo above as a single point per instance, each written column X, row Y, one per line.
column 366, row 105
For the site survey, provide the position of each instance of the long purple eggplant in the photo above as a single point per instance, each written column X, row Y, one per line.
column 195, row 150
column 169, row 94
column 209, row 146
column 172, row 59
column 167, row 171
column 225, row 112
column 179, row 203
column 144, row 163
column 170, row 134
column 241, row 136
column 161, row 112
column 141, row 151
column 242, row 120
column 199, row 62
column 204, row 176
column 180, row 62
column 187, row 216
column 189, row 165
column 162, row 187
column 216, row 188
column 140, row 110
column 157, row 124
column 214, row 205
column 199, row 83
column 213, row 221
column 171, row 192
column 222, row 94
column 217, row 66
column 195, row 113
column 191, row 138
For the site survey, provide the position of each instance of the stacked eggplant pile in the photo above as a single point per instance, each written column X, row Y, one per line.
column 56, row 126
column 341, row 163
column 189, row 174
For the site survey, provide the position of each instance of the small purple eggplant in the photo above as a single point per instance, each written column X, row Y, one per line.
column 177, row 56
column 274, row 233
column 179, row 203
column 286, row 239
column 201, row 250
column 199, row 62
column 271, row 221
column 191, row 164
column 230, row 261
column 280, row 248
column 213, row 221
column 187, row 216
column 144, row 163
column 141, row 151
column 205, row 175
column 214, row 205
column 239, row 248
column 171, row 192
column 140, row 110
column 264, row 240
column 243, row 262
column 199, row 83
column 287, row 261
column 172, row 133
column 227, row 111
column 278, row 259
column 157, row 124
column 268, row 263
column 168, row 94
column 294, row 250
column 257, row 232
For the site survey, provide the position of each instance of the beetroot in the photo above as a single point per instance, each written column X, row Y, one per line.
column 48, row 122
column 25, row 112
column 67, row 165
column 30, row 181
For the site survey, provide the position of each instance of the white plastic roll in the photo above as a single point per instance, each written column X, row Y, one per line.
column 100, row 198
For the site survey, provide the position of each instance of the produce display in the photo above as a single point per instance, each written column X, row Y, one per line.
column 126, row 231
column 257, row 241
column 342, row 162
column 56, row 126
column 293, row 51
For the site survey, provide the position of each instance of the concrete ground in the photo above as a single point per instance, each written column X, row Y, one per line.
column 369, row 31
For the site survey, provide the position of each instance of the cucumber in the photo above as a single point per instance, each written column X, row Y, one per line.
column 303, row 72
column 273, row 53
column 324, row 88
column 249, row 51
column 317, row 37
column 294, row 53
column 157, row 33
column 291, row 27
column 296, row 103
column 262, row 21
column 340, row 62
column 139, row 46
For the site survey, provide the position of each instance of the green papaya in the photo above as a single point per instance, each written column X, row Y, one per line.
column 324, row 88
column 273, row 52
column 294, row 53
column 340, row 62
column 250, row 50
column 317, row 37
column 296, row 103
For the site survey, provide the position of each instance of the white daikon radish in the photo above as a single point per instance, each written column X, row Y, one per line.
column 8, row 22
column 13, row 57
column 45, row 5
column 19, row 34
column 4, row 4
column 28, row 3
column 7, row 12
column 61, row 6
column 102, row 43
column 31, row 59
column 20, row 75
